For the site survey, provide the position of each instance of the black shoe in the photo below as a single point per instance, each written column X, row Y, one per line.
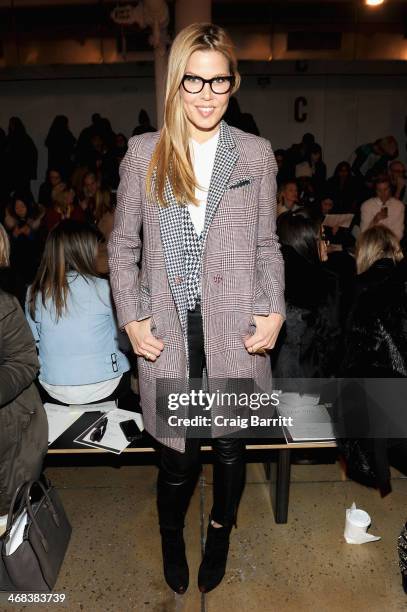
column 176, row 569
column 213, row 565
column 404, row 581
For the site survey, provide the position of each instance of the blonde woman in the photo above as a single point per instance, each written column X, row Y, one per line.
column 96, row 202
column 376, row 348
column 63, row 207
column 376, row 335
column 287, row 198
column 209, row 291
column 376, row 339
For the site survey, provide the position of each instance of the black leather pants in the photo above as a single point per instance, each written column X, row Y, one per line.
column 179, row 472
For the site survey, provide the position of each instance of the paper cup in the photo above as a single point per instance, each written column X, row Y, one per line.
column 359, row 518
column 357, row 522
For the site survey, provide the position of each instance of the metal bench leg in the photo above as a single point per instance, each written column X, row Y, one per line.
column 280, row 485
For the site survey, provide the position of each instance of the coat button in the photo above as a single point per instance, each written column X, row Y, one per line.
column 178, row 280
column 218, row 278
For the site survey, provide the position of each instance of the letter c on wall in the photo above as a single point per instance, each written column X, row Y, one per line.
column 300, row 105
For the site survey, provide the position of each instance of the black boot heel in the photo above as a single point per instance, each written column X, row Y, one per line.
column 213, row 565
column 176, row 569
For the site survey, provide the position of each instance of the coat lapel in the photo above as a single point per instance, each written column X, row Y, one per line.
column 170, row 218
column 225, row 159
column 229, row 171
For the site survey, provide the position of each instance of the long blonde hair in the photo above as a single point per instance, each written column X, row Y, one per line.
column 377, row 242
column 171, row 158
column 4, row 248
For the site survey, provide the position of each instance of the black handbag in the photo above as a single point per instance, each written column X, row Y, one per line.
column 36, row 562
column 360, row 462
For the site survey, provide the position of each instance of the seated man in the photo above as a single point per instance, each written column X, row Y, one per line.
column 383, row 209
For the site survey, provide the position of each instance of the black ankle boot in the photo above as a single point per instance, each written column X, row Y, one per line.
column 213, row 565
column 172, row 503
column 176, row 569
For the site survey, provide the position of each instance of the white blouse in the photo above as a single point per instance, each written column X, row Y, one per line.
column 203, row 158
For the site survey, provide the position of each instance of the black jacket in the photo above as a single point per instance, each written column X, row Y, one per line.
column 308, row 342
column 23, row 422
column 376, row 336
column 375, row 348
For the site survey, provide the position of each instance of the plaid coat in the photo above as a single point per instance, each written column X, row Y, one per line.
column 242, row 267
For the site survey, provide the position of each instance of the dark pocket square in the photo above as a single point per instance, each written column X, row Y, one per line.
column 241, row 183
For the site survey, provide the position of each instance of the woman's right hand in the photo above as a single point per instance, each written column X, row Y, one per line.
column 142, row 340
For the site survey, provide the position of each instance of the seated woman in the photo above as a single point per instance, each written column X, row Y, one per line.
column 367, row 413
column 98, row 207
column 308, row 342
column 70, row 312
column 23, row 422
column 63, row 207
column 95, row 201
column 23, row 220
column 287, row 198
column 52, row 180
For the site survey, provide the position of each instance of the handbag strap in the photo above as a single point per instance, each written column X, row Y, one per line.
column 31, row 513
column 11, row 513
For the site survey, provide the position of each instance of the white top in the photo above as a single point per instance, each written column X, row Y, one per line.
column 82, row 394
column 203, row 158
column 395, row 215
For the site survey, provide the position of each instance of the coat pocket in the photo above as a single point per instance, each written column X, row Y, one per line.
column 241, row 183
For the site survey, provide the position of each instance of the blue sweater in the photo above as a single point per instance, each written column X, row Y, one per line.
column 81, row 347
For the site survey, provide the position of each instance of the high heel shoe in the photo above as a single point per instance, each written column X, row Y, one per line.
column 176, row 569
column 213, row 565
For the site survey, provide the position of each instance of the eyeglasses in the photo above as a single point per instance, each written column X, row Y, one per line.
column 219, row 85
column 98, row 433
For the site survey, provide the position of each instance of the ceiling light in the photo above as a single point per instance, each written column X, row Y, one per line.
column 374, row 2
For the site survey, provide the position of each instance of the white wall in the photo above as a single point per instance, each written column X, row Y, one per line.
column 343, row 111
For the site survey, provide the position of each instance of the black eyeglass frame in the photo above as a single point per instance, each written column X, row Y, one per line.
column 230, row 77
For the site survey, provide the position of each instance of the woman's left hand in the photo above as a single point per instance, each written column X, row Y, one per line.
column 267, row 330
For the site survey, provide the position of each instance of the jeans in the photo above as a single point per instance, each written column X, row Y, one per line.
column 179, row 472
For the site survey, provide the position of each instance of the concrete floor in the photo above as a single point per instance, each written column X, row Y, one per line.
column 114, row 559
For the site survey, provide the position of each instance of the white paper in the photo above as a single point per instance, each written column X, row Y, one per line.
column 60, row 418
column 114, row 440
column 338, row 220
column 16, row 533
column 101, row 407
column 311, row 421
